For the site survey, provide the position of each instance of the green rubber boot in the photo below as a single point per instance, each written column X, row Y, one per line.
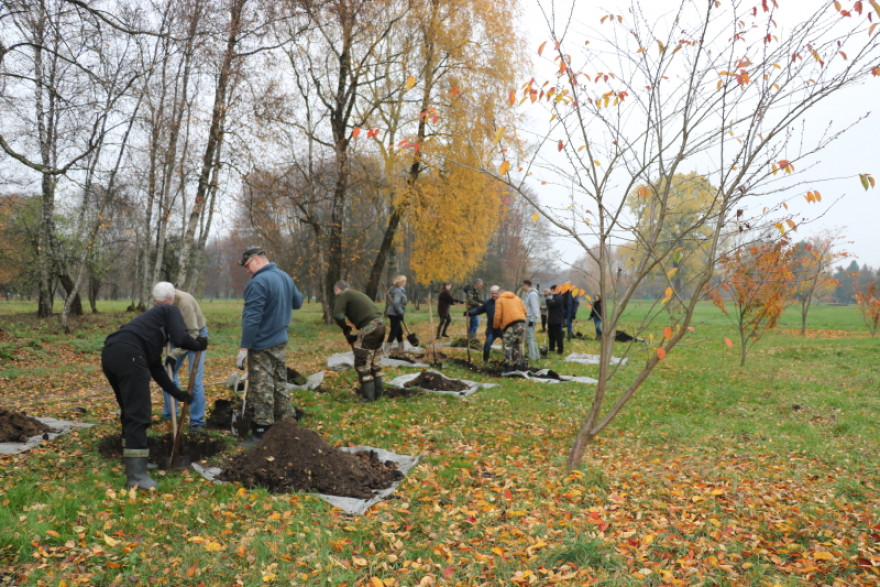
column 380, row 390
column 136, row 473
column 368, row 390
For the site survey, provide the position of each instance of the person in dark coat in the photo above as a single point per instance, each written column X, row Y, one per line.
column 396, row 309
column 131, row 356
column 596, row 315
column 555, row 318
column 444, row 301
column 488, row 308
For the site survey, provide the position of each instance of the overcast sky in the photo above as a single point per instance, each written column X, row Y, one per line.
column 846, row 208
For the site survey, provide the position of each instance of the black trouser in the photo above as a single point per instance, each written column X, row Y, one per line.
column 396, row 331
column 543, row 322
column 556, row 338
column 126, row 369
column 445, row 321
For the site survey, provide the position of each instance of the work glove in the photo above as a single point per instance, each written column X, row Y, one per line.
column 203, row 342
column 183, row 395
column 170, row 362
column 531, row 324
column 466, row 314
column 240, row 359
column 351, row 338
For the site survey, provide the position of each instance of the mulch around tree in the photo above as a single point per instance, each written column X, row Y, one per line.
column 19, row 427
column 436, row 382
column 193, row 447
column 291, row 457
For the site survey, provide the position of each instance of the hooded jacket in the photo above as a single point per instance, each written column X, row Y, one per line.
column 508, row 309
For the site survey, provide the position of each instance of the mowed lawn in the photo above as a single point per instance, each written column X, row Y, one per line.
column 712, row 475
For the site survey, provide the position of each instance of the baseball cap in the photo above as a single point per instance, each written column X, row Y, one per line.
column 250, row 254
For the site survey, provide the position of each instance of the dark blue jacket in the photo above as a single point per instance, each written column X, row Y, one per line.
column 488, row 308
column 269, row 297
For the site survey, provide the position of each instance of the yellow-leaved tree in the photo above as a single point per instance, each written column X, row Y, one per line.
column 670, row 238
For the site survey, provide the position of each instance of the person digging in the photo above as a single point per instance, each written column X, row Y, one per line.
column 131, row 356
column 355, row 307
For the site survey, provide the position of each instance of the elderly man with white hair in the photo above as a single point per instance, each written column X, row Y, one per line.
column 196, row 325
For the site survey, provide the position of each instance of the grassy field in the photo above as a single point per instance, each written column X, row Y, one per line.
column 712, row 475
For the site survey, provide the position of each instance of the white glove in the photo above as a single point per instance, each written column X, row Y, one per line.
column 241, row 358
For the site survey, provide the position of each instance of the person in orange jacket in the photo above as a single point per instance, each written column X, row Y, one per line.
column 510, row 318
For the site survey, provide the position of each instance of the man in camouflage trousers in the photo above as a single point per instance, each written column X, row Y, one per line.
column 510, row 317
column 269, row 299
column 366, row 345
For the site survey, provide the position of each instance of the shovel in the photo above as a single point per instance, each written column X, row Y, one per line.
column 183, row 415
column 411, row 337
column 238, row 417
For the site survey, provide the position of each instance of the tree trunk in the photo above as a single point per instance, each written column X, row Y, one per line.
column 211, row 160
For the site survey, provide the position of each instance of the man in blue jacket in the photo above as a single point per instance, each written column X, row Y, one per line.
column 269, row 298
column 488, row 308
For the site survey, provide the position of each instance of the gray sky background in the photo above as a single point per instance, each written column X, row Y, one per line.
column 846, row 208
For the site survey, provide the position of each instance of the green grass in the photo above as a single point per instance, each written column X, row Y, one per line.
column 754, row 468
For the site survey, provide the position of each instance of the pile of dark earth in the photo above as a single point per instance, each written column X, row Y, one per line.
column 436, row 382
column 462, row 342
column 395, row 392
column 19, row 427
column 193, row 447
column 491, row 368
column 225, row 412
column 293, row 458
column 496, row 369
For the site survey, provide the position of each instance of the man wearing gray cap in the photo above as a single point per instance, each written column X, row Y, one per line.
column 269, row 298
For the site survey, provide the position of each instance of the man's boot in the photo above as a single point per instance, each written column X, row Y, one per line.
column 136, row 473
column 368, row 391
column 257, row 432
column 377, row 384
column 439, row 331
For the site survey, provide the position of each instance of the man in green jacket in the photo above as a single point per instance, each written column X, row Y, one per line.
column 366, row 345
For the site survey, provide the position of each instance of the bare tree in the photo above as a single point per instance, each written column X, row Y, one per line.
column 716, row 88
column 56, row 55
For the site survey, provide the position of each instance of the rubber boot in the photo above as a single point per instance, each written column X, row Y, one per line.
column 377, row 383
column 257, row 432
column 439, row 332
column 136, row 473
column 368, row 391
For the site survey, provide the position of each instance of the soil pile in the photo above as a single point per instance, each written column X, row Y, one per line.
column 193, row 447
column 490, row 368
column 291, row 457
column 18, row 427
column 436, row 382
column 225, row 412
column 295, row 377
column 395, row 392
column 462, row 342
